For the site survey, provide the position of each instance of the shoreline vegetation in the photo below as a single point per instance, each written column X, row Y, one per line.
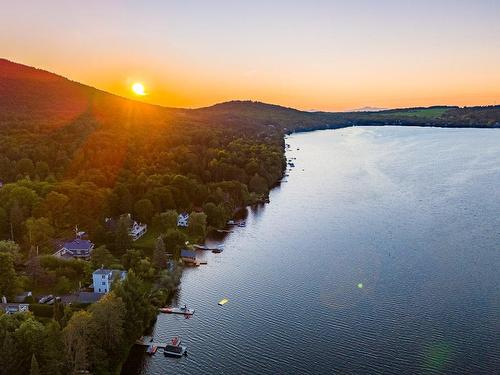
column 72, row 156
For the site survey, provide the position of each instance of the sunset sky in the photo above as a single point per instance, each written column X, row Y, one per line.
column 327, row 55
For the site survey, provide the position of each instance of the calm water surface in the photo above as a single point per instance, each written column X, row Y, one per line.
column 381, row 254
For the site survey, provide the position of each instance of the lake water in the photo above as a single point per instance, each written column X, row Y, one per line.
column 381, row 254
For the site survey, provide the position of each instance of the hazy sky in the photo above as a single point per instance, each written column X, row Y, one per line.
column 330, row 55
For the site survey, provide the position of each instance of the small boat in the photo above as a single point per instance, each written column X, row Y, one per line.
column 205, row 247
column 151, row 349
column 242, row 224
column 223, row 301
column 177, row 310
column 231, row 222
column 201, row 247
column 174, row 351
column 224, row 231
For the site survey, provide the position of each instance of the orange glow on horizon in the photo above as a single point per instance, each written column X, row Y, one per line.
column 338, row 55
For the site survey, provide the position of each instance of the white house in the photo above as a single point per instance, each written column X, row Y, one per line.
column 137, row 230
column 183, row 220
column 103, row 279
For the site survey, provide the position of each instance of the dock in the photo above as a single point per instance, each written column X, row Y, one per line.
column 176, row 310
column 152, row 343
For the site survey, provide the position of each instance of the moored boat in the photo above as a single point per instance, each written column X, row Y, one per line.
column 151, row 349
column 174, row 350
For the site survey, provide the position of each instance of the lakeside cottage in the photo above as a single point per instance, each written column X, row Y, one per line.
column 76, row 249
column 103, row 279
column 137, row 230
column 183, row 220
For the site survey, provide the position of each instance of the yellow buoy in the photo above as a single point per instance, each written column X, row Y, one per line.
column 223, row 301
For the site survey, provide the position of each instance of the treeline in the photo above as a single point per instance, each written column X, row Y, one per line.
column 35, row 210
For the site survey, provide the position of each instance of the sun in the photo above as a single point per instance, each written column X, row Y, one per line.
column 138, row 89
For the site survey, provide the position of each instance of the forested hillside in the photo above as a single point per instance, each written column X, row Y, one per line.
column 75, row 155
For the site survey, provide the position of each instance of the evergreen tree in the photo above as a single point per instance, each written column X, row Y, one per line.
column 34, row 370
column 8, row 277
column 123, row 241
column 160, row 256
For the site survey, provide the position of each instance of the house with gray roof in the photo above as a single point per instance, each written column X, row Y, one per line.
column 76, row 249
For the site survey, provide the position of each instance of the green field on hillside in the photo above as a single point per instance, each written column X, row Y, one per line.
column 424, row 112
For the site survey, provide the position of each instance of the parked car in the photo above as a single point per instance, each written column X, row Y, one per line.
column 51, row 302
column 46, row 299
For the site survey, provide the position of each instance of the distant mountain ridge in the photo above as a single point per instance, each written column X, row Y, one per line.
column 368, row 109
column 37, row 97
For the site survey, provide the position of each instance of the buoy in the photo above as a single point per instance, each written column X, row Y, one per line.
column 223, row 301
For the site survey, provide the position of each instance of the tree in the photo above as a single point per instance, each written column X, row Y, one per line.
column 174, row 240
column 28, row 338
column 34, row 370
column 41, row 169
column 102, row 257
column 131, row 258
column 76, row 336
column 63, row 285
column 108, row 317
column 52, row 354
column 198, row 225
column 56, row 206
column 258, row 184
column 160, row 256
column 12, row 248
column 167, row 220
column 40, row 232
column 144, row 210
column 25, row 167
column 8, row 277
column 123, row 241
column 16, row 219
column 138, row 310
column 4, row 222
column 34, row 268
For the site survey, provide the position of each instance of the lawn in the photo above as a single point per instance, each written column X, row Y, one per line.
column 147, row 242
column 428, row 113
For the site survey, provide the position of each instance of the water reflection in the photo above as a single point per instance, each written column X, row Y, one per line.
column 380, row 255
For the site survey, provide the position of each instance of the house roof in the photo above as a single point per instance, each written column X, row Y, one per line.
column 78, row 244
column 105, row 271
column 188, row 254
column 89, row 297
column 101, row 271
